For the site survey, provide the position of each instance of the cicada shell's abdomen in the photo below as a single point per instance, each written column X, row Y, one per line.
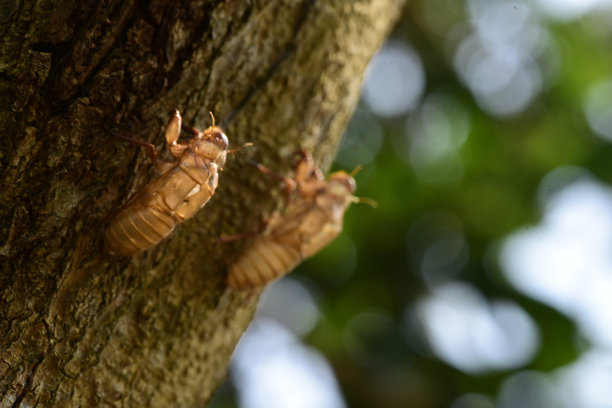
column 162, row 205
column 264, row 261
column 304, row 230
column 138, row 228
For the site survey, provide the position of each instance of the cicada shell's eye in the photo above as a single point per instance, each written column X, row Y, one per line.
column 345, row 180
column 219, row 139
column 350, row 184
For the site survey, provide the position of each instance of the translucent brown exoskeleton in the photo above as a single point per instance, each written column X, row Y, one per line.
column 311, row 220
column 185, row 185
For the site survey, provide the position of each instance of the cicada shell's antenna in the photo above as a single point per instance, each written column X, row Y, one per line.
column 212, row 117
column 247, row 144
column 365, row 200
column 356, row 170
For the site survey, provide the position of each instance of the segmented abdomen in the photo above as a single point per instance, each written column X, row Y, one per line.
column 138, row 228
column 163, row 204
column 264, row 261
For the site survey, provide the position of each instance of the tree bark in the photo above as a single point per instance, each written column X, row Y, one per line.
column 79, row 327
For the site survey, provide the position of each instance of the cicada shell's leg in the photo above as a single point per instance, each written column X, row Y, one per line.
column 308, row 177
column 197, row 133
column 160, row 164
column 149, row 148
column 236, row 237
column 173, row 128
column 193, row 130
column 305, row 168
column 173, row 131
column 290, row 184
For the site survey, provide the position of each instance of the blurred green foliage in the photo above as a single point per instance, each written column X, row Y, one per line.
column 366, row 282
column 503, row 160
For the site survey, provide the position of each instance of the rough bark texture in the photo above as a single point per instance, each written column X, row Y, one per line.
column 79, row 327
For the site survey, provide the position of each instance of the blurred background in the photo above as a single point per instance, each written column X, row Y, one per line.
column 484, row 277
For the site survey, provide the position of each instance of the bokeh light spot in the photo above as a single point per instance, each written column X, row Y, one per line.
column 570, row 9
column 586, row 383
column 434, row 134
column 497, row 61
column 474, row 336
column 394, row 80
column 437, row 247
column 289, row 303
column 273, row 369
column 503, row 80
column 362, row 140
column 566, row 261
column 527, row 389
column 598, row 109
column 472, row 400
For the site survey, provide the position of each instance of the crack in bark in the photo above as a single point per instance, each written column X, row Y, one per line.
column 282, row 57
column 184, row 54
column 64, row 90
column 27, row 383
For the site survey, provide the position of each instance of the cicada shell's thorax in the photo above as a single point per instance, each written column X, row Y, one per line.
column 175, row 196
column 311, row 221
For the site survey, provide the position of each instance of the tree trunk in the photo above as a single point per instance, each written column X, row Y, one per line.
column 80, row 327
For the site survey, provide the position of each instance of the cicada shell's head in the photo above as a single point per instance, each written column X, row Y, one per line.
column 213, row 145
column 341, row 185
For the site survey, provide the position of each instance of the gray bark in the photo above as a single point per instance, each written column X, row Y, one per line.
column 79, row 327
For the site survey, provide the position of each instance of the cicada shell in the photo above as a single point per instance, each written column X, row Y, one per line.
column 184, row 187
column 311, row 220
